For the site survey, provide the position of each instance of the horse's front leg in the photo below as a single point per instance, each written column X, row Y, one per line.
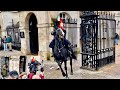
column 71, row 66
column 65, row 62
column 63, row 73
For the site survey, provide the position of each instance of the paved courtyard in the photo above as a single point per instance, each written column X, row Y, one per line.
column 111, row 71
column 10, row 53
column 108, row 72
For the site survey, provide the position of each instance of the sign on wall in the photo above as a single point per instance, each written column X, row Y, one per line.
column 22, row 35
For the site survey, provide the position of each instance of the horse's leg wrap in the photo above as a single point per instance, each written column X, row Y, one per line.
column 65, row 62
column 63, row 73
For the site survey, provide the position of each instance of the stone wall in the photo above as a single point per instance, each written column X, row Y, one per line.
column 6, row 20
column 117, row 17
column 44, row 29
column 73, row 34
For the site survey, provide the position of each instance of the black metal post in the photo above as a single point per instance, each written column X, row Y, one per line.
column 13, row 32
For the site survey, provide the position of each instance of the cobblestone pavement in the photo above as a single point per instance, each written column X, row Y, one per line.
column 114, row 69
column 52, row 73
column 10, row 53
column 111, row 71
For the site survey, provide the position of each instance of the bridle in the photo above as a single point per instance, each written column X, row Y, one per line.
column 57, row 36
column 59, row 49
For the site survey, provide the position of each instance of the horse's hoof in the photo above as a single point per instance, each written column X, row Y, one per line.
column 71, row 73
column 64, row 74
column 58, row 69
column 67, row 77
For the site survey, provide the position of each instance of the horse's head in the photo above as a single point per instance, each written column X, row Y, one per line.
column 60, row 33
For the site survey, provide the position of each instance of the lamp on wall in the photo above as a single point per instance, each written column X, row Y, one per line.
column 22, row 35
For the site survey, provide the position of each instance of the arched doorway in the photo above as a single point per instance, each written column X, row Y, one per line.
column 33, row 34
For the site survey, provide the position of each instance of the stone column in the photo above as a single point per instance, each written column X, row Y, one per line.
column 117, row 18
column 79, row 42
column 50, row 39
column 42, row 38
column 25, row 44
column 78, row 35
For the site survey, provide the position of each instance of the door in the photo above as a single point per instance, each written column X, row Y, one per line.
column 22, row 64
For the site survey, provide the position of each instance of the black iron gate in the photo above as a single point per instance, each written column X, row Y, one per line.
column 97, row 32
column 14, row 32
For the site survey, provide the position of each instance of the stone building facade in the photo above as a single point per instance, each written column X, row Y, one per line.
column 6, row 18
column 42, row 27
column 117, row 17
column 44, row 20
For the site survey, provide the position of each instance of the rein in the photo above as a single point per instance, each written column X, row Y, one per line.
column 58, row 37
column 60, row 49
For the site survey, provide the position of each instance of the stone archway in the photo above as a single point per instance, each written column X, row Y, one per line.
column 64, row 15
column 32, row 33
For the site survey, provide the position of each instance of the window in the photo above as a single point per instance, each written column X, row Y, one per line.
column 63, row 16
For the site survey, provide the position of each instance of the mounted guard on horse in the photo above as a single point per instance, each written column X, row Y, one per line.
column 33, row 65
column 61, row 47
column 62, row 35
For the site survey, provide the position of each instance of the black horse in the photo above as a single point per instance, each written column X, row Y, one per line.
column 62, row 51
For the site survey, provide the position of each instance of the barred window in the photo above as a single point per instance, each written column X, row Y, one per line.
column 63, row 16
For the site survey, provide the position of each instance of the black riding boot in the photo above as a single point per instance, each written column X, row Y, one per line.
column 72, row 53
